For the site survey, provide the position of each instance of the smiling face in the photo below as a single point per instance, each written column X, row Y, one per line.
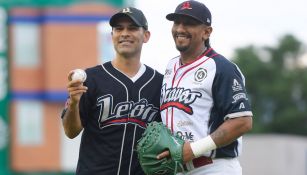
column 189, row 34
column 128, row 38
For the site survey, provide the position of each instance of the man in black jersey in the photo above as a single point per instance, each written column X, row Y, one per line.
column 115, row 102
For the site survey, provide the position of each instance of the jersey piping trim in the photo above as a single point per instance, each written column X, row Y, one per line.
column 172, row 120
column 132, row 149
column 173, row 81
column 127, row 120
column 137, row 75
column 191, row 69
column 146, row 83
column 242, row 76
column 175, row 67
column 238, row 114
column 123, row 140
column 118, row 81
column 199, row 57
column 202, row 55
column 121, row 151
column 141, row 71
column 166, row 117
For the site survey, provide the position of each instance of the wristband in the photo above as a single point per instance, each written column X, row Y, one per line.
column 202, row 146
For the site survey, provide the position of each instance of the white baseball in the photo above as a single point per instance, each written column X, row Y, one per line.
column 79, row 74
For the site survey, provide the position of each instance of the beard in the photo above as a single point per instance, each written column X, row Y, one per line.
column 181, row 45
column 182, row 48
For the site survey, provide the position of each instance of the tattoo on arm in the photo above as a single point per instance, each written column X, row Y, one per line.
column 219, row 136
column 228, row 132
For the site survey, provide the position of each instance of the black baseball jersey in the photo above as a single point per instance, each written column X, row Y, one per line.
column 114, row 112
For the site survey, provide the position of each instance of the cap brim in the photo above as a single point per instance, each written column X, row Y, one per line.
column 115, row 17
column 173, row 16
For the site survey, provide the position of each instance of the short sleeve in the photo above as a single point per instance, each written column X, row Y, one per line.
column 229, row 92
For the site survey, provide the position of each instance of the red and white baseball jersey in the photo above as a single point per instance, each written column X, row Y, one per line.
column 198, row 97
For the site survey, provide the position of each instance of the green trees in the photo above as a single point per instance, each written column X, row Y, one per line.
column 276, row 82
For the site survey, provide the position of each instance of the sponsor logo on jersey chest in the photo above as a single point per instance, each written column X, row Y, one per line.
column 182, row 123
column 186, row 135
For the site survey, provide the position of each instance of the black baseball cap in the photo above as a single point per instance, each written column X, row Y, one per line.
column 192, row 9
column 134, row 14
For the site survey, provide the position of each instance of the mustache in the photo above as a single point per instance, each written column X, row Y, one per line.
column 176, row 34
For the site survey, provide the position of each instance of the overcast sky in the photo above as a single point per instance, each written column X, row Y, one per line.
column 235, row 24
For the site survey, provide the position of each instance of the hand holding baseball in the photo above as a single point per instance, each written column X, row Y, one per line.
column 78, row 74
column 75, row 86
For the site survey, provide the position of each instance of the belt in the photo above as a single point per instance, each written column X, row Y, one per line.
column 197, row 162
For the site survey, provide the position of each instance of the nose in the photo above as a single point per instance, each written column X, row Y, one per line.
column 179, row 27
column 125, row 32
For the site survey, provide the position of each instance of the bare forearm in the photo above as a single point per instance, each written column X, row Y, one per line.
column 71, row 121
column 231, row 130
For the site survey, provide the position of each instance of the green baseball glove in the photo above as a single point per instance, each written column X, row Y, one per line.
column 156, row 139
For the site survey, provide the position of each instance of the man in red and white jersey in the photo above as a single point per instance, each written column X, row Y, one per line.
column 203, row 97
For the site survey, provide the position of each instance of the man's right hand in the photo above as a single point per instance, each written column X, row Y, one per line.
column 71, row 120
column 75, row 89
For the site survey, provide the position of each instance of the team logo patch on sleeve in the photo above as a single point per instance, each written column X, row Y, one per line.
column 236, row 86
column 179, row 98
column 239, row 96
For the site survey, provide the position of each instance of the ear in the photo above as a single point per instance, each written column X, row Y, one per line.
column 207, row 32
column 146, row 36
